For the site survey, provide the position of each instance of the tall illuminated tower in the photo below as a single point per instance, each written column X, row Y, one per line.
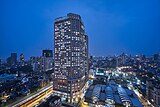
column 70, row 57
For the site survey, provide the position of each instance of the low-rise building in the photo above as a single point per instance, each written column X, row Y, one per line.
column 111, row 95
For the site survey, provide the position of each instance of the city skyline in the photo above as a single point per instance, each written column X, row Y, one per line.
column 75, row 53
column 130, row 27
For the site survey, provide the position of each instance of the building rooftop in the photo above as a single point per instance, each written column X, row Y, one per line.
column 123, row 95
column 112, row 92
column 69, row 15
column 109, row 93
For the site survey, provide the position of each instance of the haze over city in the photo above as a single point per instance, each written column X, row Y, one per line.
column 113, row 27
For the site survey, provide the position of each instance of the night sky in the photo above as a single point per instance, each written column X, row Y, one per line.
column 113, row 26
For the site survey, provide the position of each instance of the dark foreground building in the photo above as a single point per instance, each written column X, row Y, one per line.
column 70, row 57
column 52, row 101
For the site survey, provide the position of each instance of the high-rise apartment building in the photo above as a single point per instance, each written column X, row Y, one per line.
column 70, row 57
column 47, row 62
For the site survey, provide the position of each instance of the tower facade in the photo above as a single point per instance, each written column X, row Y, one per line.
column 70, row 57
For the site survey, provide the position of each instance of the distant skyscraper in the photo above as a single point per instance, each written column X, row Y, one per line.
column 47, row 60
column 70, row 57
column 37, row 63
column 12, row 60
column 21, row 57
column 47, row 53
column 9, row 60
